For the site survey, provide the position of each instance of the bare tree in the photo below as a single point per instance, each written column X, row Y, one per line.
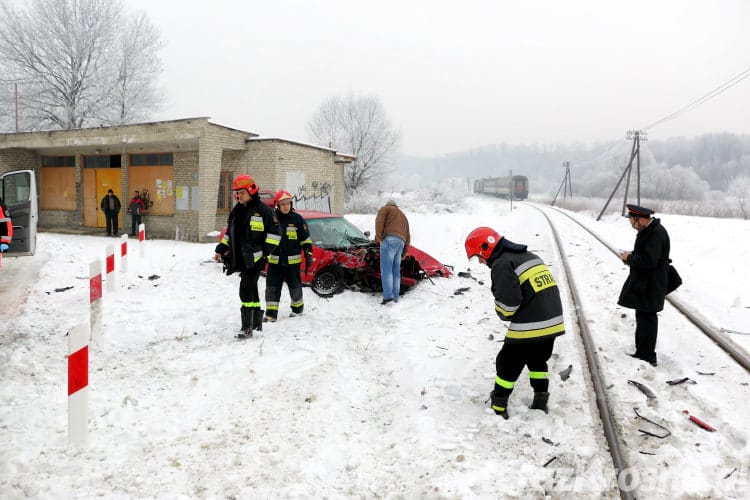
column 356, row 125
column 77, row 62
column 740, row 189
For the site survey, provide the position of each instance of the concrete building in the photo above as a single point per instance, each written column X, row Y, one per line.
column 186, row 166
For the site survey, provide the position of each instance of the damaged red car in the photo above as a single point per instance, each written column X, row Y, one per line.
column 345, row 257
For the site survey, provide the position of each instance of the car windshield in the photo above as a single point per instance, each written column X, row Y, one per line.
column 336, row 232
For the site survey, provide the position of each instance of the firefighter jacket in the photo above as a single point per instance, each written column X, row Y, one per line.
column 525, row 294
column 252, row 235
column 646, row 285
column 6, row 226
column 295, row 238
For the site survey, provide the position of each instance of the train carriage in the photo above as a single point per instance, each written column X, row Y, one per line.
column 516, row 186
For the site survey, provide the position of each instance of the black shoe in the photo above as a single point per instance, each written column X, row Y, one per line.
column 499, row 405
column 245, row 334
column 651, row 361
column 540, row 401
column 385, row 301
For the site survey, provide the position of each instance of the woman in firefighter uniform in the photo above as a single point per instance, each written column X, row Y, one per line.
column 525, row 294
column 252, row 236
column 285, row 267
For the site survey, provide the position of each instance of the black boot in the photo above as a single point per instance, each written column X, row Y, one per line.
column 258, row 319
column 540, row 401
column 499, row 405
column 247, row 323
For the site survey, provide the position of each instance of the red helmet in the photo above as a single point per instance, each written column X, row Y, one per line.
column 282, row 195
column 481, row 242
column 244, row 181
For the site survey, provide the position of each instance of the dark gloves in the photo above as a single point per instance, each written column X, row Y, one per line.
column 308, row 260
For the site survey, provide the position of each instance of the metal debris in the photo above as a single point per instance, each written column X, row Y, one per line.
column 645, row 390
column 565, row 374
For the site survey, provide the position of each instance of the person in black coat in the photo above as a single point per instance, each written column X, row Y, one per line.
column 646, row 286
column 252, row 236
column 111, row 207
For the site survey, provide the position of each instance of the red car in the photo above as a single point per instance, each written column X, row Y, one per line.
column 345, row 257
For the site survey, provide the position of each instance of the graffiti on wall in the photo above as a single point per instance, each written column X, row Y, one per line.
column 315, row 196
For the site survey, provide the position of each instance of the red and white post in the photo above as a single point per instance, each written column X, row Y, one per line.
column 78, row 387
column 124, row 253
column 141, row 237
column 95, row 299
column 110, row 269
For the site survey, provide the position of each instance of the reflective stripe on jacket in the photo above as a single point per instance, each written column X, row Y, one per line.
column 526, row 294
column 295, row 237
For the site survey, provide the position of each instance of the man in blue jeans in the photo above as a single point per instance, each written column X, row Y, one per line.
column 392, row 232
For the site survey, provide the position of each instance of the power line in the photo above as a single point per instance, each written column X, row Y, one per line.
column 707, row 97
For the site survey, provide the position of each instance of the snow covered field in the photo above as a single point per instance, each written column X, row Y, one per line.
column 355, row 399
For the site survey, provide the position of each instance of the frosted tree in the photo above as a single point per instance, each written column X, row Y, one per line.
column 356, row 125
column 740, row 189
column 77, row 63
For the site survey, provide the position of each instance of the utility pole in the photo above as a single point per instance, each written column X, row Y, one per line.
column 635, row 153
column 565, row 182
column 510, row 190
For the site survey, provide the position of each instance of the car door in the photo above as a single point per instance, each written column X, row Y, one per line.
column 19, row 194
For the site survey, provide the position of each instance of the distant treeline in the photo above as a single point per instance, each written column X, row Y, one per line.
column 672, row 169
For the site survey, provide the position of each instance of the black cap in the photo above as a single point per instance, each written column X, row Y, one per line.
column 636, row 211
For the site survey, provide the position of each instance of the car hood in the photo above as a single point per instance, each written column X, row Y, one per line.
column 428, row 263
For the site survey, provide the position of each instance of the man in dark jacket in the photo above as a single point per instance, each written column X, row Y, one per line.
column 525, row 294
column 111, row 207
column 252, row 235
column 285, row 267
column 646, row 286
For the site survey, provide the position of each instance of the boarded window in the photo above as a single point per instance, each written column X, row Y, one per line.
column 225, row 201
column 58, row 188
column 153, row 172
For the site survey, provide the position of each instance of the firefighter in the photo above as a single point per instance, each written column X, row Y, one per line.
column 525, row 294
column 252, row 236
column 285, row 267
column 6, row 227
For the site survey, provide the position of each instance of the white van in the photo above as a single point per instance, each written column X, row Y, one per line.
column 19, row 194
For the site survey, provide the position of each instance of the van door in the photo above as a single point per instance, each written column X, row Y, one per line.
column 19, row 194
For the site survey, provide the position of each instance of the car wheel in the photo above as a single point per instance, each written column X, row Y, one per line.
column 327, row 282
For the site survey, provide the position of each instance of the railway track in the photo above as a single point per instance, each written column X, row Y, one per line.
column 632, row 447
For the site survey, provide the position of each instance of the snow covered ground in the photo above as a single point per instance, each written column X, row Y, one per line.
column 355, row 399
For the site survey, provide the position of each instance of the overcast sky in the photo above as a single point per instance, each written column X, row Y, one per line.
column 456, row 75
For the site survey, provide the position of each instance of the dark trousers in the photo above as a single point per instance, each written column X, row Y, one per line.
column 276, row 275
column 249, row 288
column 111, row 222
column 646, row 329
column 135, row 221
column 513, row 357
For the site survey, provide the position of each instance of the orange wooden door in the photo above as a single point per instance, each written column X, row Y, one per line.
column 96, row 183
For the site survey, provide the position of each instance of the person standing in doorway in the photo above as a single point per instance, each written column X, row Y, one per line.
column 252, row 236
column 136, row 208
column 392, row 232
column 111, row 207
column 646, row 285
column 525, row 294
